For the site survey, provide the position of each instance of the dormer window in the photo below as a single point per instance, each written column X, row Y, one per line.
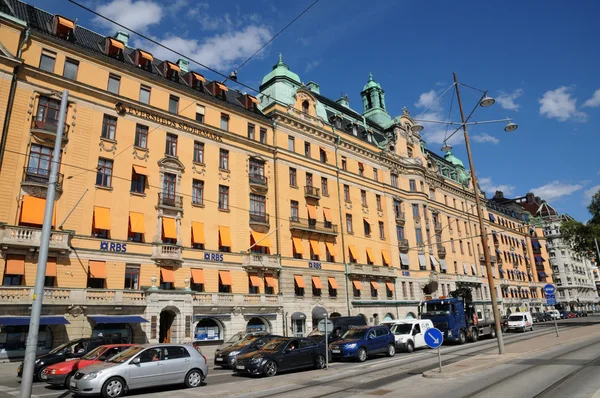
column 250, row 102
column 354, row 129
column 196, row 81
column 63, row 27
column 144, row 60
column 114, row 48
column 171, row 71
column 219, row 90
column 305, row 106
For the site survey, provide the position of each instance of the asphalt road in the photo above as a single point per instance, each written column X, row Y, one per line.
column 381, row 375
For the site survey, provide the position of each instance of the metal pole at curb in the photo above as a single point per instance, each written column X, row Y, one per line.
column 38, row 291
column 326, row 343
column 440, row 359
column 555, row 325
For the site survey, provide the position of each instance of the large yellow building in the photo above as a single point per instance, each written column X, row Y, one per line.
column 189, row 210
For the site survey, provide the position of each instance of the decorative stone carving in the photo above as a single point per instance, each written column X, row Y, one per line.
column 108, row 145
column 199, row 168
column 75, row 310
column 223, row 175
column 348, row 206
column 139, row 153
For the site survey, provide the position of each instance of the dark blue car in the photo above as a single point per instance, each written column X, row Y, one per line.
column 364, row 341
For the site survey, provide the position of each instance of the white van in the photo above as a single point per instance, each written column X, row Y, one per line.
column 520, row 321
column 555, row 314
column 410, row 333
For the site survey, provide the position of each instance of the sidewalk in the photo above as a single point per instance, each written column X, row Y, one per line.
column 512, row 351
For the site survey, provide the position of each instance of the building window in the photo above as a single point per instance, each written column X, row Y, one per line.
column 409, row 152
column 381, row 230
column 171, row 146
column 47, row 61
column 258, row 206
column 346, row 193
column 263, row 136
column 324, row 188
column 355, row 291
column 104, row 174
column 251, row 131
column 361, row 169
column 332, row 291
column 95, row 283
column 373, row 291
column 223, row 197
column 375, row 174
column 132, row 277
column 109, row 127
column 305, row 105
column 293, row 182
column 411, row 288
column 298, row 291
column 397, row 208
column 197, row 287
column 173, row 104
column 415, row 211
column 309, row 179
column 224, row 122
column 224, row 159
column 169, row 186
column 291, row 144
column 12, row 280
column 469, row 248
column 412, row 185
column 223, row 288
column 307, row 149
column 198, row 152
column 39, row 160
column 316, row 291
column 138, row 182
column 460, row 245
column 144, row 94
column 329, row 255
column 419, row 236
column 322, row 155
column 432, row 194
column 198, row 192
column 294, row 210
column 367, row 228
column 422, row 186
column 70, row 71
column 251, row 288
column 141, row 136
column 363, row 197
column 378, row 202
column 344, row 163
column 394, row 178
column 349, row 223
column 400, row 233
column 114, row 83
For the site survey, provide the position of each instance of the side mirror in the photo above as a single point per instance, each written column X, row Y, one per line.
column 135, row 361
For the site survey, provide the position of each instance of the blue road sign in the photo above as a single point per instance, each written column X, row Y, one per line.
column 551, row 301
column 434, row 338
column 549, row 289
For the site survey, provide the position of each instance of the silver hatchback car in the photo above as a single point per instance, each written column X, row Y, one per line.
column 142, row 366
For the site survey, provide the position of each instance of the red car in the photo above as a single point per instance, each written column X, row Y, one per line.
column 60, row 374
column 572, row 315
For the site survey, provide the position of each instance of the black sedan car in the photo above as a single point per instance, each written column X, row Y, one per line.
column 227, row 357
column 282, row 354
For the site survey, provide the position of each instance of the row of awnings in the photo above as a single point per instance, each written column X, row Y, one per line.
column 312, row 213
column 514, row 272
column 32, row 211
column 374, row 284
column 61, row 320
column 15, row 265
column 316, row 281
column 314, row 246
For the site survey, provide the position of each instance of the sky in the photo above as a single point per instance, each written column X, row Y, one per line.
column 538, row 59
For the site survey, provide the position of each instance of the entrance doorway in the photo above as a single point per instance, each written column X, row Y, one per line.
column 166, row 324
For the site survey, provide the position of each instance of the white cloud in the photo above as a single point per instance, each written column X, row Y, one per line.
column 594, row 101
column 485, row 138
column 558, row 104
column 312, row 65
column 489, row 187
column 136, row 15
column 428, row 100
column 556, row 190
column 507, row 100
column 588, row 193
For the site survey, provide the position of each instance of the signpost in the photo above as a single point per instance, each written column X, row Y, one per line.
column 549, row 290
column 434, row 339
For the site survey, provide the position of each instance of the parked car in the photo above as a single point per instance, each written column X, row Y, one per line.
column 547, row 316
column 581, row 314
column 564, row 314
column 227, row 357
column 363, row 341
column 410, row 333
column 282, row 354
column 74, row 349
column 571, row 315
column 142, row 366
column 520, row 321
column 336, row 327
column 541, row 317
column 60, row 374
column 555, row 314
column 236, row 338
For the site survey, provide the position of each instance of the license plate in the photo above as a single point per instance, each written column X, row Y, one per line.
column 335, row 351
column 219, row 359
column 241, row 367
column 73, row 384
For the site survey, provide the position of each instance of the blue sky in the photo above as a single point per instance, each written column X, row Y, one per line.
column 537, row 58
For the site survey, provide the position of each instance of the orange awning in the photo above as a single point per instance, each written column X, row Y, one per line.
column 173, row 66
column 116, row 43
column 222, row 86
column 332, row 282
column 225, row 278
column 198, row 76
column 51, row 267
column 198, row 276
column 270, row 280
column 102, row 218
column 167, row 275
column 225, row 236
column 253, row 99
column 97, row 269
column 15, row 265
column 386, row 257
column 254, row 280
column 169, row 228
column 146, row 55
column 136, row 223
column 261, row 239
column 66, row 22
column 356, row 284
column 314, row 244
column 330, row 247
column 370, row 255
column 198, row 232
column 299, row 281
column 353, row 251
column 327, row 214
column 390, row 286
column 312, row 212
column 297, row 245
column 375, row 285
column 32, row 211
column 140, row 170
column 317, row 282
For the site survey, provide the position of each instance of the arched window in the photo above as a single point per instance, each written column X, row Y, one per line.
column 305, row 105
column 411, row 315
column 208, row 329
column 256, row 325
column 114, row 331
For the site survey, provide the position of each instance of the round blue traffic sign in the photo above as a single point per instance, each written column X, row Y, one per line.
column 549, row 289
column 433, row 337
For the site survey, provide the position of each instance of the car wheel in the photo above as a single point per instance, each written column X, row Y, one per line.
column 391, row 351
column 193, row 378
column 38, row 375
column 320, row 362
column 113, row 388
column 68, row 380
column 493, row 333
column 474, row 335
column 462, row 337
column 362, row 355
column 410, row 347
column 270, row 369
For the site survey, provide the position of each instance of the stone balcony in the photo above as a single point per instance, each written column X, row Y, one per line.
column 311, row 192
column 30, row 238
column 441, row 250
column 400, row 218
column 437, row 227
column 11, row 295
column 374, row 270
column 226, row 299
column 264, row 261
column 164, row 253
column 309, row 225
column 46, row 130
column 37, row 177
column 403, row 245
column 468, row 279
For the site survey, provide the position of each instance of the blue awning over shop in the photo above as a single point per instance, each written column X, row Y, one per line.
column 24, row 320
column 117, row 318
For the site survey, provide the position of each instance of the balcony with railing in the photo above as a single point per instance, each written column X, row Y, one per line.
column 258, row 181
column 30, row 237
column 165, row 253
column 437, row 227
column 169, row 200
column 400, row 218
column 366, row 269
column 10, row 295
column 39, row 177
column 257, row 260
column 310, row 225
column 45, row 128
column 257, row 218
column 468, row 279
column 311, row 192
column 246, row 300
column 403, row 245
column 441, row 250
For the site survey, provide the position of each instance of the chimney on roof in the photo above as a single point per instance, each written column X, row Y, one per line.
column 499, row 195
column 122, row 37
column 183, row 65
column 529, row 197
column 314, row 87
column 343, row 100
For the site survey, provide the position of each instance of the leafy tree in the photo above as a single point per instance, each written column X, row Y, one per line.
column 581, row 236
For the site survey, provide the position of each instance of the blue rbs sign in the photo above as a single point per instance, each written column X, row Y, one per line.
column 113, row 247
column 213, row 257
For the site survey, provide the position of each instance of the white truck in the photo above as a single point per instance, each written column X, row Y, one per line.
column 409, row 333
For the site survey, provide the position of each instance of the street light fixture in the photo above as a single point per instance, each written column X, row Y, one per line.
column 510, row 127
column 487, row 101
column 446, row 147
column 417, row 128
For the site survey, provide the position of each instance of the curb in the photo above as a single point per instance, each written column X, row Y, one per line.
column 435, row 374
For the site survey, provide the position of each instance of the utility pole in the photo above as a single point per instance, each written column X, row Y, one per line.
column 38, row 291
column 484, row 238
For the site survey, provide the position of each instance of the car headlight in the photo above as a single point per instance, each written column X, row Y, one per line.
column 449, row 333
column 37, row 360
column 350, row 346
column 233, row 353
column 255, row 360
column 403, row 339
column 91, row 376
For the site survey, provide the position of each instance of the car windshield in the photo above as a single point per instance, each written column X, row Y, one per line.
column 94, row 354
column 235, row 338
column 355, row 334
column 244, row 342
column 437, row 308
column 402, row 328
column 64, row 347
column 275, row 344
column 515, row 318
column 124, row 356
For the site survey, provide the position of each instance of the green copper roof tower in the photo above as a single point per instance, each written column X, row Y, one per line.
column 373, row 98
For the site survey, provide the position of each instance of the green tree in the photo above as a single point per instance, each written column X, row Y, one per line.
column 581, row 236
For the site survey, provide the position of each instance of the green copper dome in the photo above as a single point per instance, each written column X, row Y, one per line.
column 280, row 69
column 371, row 83
column 453, row 159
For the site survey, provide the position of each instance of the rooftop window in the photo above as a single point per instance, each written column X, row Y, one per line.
column 144, row 60
column 63, row 27
column 114, row 48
